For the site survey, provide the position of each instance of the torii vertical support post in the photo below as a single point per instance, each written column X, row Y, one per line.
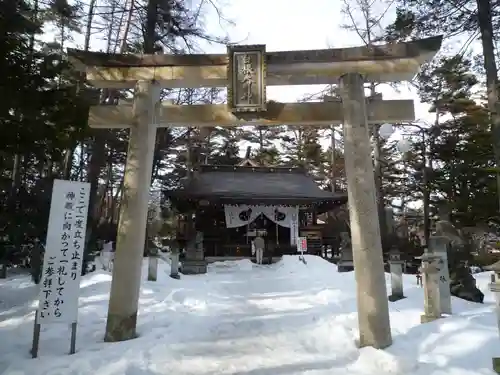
column 125, row 287
column 373, row 308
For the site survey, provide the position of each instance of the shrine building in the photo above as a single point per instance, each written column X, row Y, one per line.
column 230, row 205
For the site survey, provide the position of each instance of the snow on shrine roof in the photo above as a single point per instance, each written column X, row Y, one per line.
column 244, row 183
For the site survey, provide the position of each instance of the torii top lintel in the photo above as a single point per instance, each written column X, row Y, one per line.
column 381, row 63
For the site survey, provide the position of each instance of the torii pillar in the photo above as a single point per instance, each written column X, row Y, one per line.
column 125, row 284
column 373, row 309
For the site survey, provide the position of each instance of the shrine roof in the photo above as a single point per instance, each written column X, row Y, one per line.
column 255, row 184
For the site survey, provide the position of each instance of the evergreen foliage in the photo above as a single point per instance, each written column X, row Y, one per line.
column 44, row 107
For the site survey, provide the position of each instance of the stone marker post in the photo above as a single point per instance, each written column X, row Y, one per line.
column 389, row 221
column 494, row 287
column 396, row 268
column 373, row 307
column 430, row 273
column 194, row 262
column 439, row 245
column 124, row 297
column 345, row 263
column 153, row 264
column 174, row 262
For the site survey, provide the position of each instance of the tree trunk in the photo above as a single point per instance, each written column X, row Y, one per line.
column 13, row 201
column 149, row 47
column 151, row 21
column 95, row 166
column 96, row 148
column 486, row 29
column 123, row 47
column 90, row 18
column 379, row 194
column 67, row 163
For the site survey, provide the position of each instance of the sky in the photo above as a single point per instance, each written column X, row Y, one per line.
column 300, row 25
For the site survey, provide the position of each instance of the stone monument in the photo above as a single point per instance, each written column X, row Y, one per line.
column 439, row 245
column 494, row 287
column 445, row 228
column 396, row 269
column 194, row 262
column 430, row 271
column 174, row 262
column 345, row 263
column 152, row 264
column 462, row 283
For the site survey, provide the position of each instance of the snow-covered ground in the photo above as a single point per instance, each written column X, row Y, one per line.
column 287, row 318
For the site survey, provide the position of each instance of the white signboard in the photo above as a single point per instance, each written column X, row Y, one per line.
column 294, row 226
column 62, row 264
column 302, row 245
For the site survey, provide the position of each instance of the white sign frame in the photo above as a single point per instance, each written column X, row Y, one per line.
column 64, row 251
column 302, row 245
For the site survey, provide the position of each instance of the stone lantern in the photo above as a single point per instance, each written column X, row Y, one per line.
column 396, row 269
column 494, row 286
column 431, row 266
column 439, row 245
column 174, row 261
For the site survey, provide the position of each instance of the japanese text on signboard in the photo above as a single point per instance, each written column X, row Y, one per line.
column 63, row 257
column 302, row 245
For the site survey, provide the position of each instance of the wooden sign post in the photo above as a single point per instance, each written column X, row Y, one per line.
column 302, row 248
column 63, row 258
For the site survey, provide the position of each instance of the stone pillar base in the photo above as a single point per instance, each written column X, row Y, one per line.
column 174, row 265
column 345, row 266
column 395, row 297
column 428, row 318
column 120, row 328
column 496, row 365
column 194, row 267
column 152, row 268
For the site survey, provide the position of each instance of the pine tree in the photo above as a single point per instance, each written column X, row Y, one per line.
column 469, row 19
column 38, row 130
column 459, row 143
column 265, row 139
column 301, row 147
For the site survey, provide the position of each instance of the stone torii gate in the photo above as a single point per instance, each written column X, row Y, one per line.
column 246, row 71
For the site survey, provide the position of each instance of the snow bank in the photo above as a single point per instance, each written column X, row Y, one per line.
column 240, row 318
column 292, row 264
column 231, row 266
